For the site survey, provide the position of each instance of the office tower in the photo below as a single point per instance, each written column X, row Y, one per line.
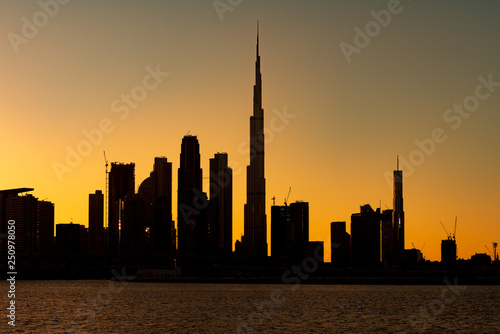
column 121, row 185
column 280, row 232
column 290, row 231
column 221, row 205
column 68, row 238
column 96, row 222
column 162, row 231
column 398, row 217
column 365, row 236
column 448, row 251
column 299, row 221
column 23, row 210
column 340, row 244
column 133, row 228
column 34, row 222
column 255, row 226
column 4, row 218
column 387, row 237
column 192, row 202
column 45, row 227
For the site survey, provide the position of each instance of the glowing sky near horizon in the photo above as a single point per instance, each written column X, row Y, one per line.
column 351, row 119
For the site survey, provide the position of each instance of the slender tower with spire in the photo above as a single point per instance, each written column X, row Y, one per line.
column 398, row 217
column 255, row 226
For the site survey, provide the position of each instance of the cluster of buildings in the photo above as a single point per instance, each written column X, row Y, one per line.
column 376, row 236
column 130, row 224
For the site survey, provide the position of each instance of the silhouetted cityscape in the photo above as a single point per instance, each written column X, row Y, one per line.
column 138, row 231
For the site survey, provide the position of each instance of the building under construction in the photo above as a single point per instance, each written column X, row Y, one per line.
column 449, row 246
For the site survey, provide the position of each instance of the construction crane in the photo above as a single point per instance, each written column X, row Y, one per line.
column 455, row 232
column 106, row 192
column 448, row 235
column 495, row 254
column 288, row 196
column 489, row 251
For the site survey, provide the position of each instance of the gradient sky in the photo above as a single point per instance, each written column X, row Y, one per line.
column 351, row 118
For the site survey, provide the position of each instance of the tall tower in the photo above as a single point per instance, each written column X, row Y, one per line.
column 255, row 226
column 121, row 185
column 299, row 220
column 96, row 223
column 162, row 227
column 191, row 220
column 398, row 217
column 221, row 202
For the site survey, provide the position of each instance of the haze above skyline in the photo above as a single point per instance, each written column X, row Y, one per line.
column 349, row 120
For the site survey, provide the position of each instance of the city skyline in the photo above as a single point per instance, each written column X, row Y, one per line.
column 349, row 121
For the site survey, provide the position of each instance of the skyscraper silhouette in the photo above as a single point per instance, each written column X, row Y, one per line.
column 96, row 221
column 299, row 220
column 255, row 226
column 45, row 227
column 387, row 229
column 191, row 222
column 281, row 232
column 34, row 222
column 398, row 217
column 221, row 205
column 365, row 236
column 133, row 226
column 162, row 227
column 121, row 185
column 340, row 244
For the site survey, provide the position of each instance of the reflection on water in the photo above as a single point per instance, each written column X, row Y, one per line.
column 105, row 307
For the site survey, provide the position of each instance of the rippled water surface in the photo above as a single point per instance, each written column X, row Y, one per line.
column 112, row 307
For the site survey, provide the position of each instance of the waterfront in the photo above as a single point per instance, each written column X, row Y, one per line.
column 101, row 306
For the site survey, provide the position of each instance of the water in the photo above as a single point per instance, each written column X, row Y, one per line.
column 112, row 307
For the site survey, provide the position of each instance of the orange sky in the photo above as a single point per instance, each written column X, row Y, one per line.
column 352, row 114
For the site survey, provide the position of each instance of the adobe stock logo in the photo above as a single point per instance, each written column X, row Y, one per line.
column 221, row 7
column 454, row 117
column 372, row 29
column 30, row 28
column 121, row 106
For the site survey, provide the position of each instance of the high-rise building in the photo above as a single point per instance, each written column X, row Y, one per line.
column 448, row 251
column 192, row 202
column 4, row 219
column 255, row 226
column 33, row 221
column 299, row 220
column 365, row 236
column 162, row 226
column 221, row 205
column 340, row 244
column 387, row 238
column 121, row 185
column 133, row 228
column 96, row 223
column 280, row 232
column 45, row 227
column 398, row 217
column 290, row 231
column 23, row 210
